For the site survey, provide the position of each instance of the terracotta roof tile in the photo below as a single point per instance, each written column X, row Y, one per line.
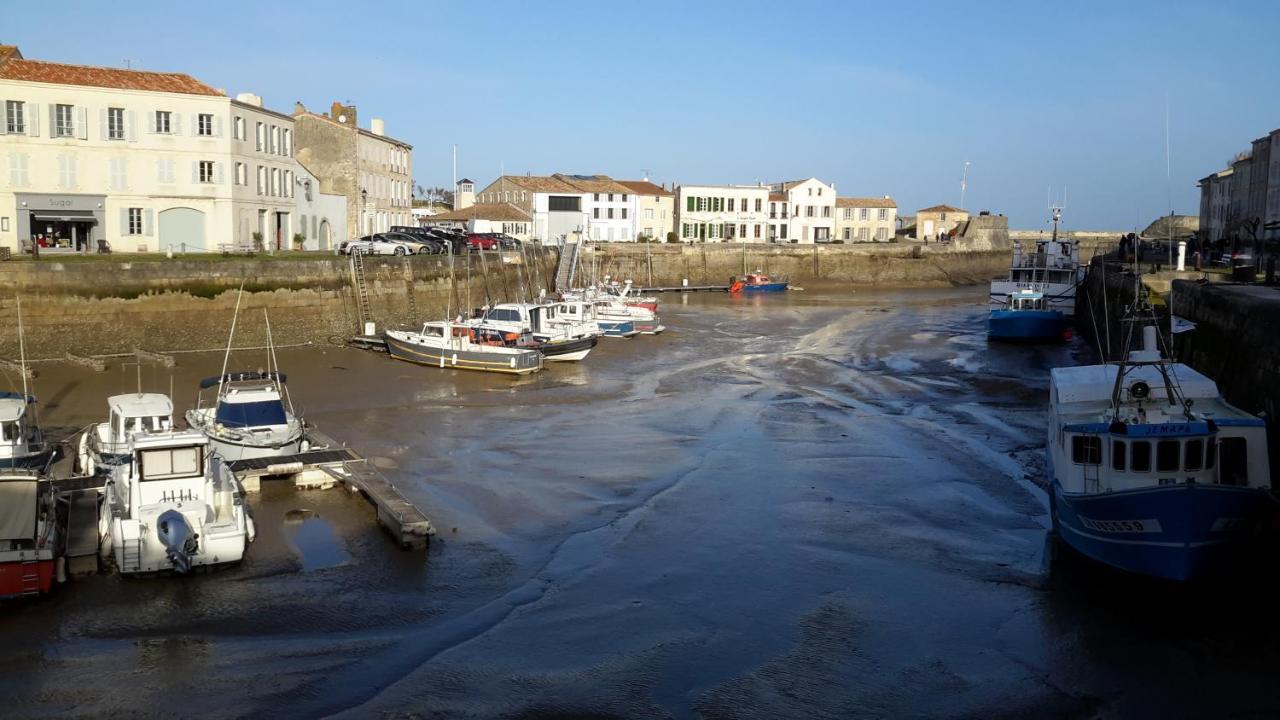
column 861, row 202
column 8, row 52
column 644, row 187
column 16, row 68
column 494, row 211
column 593, row 183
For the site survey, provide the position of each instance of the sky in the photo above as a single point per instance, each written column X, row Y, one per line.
column 876, row 98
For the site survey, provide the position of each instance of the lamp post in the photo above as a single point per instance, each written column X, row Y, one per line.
column 364, row 212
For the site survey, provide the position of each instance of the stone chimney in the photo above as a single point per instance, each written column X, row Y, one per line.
column 345, row 114
column 377, row 126
column 250, row 99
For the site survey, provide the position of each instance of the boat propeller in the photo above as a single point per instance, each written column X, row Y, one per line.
column 178, row 539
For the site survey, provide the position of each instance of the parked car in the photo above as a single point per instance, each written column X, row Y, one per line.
column 417, row 244
column 379, row 244
column 483, row 241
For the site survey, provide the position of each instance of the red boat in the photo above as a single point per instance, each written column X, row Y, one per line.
column 756, row 282
column 28, row 533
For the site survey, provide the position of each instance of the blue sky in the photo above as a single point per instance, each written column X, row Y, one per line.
column 879, row 98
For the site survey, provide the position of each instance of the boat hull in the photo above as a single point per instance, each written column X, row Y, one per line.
column 33, row 461
column 623, row 329
column 509, row 364
column 568, row 350
column 1025, row 325
column 26, row 578
column 231, row 449
column 1176, row 532
column 763, row 287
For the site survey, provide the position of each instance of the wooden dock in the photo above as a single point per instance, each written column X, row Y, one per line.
column 326, row 464
column 82, row 531
column 681, row 289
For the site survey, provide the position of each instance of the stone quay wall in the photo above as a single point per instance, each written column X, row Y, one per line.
column 102, row 308
column 95, row 307
column 870, row 264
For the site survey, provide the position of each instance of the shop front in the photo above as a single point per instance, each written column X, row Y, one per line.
column 61, row 224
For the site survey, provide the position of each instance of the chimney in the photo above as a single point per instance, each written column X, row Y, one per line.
column 345, row 114
column 250, row 99
column 377, row 126
column 298, row 108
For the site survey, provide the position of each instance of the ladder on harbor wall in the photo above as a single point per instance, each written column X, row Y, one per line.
column 408, row 290
column 565, row 270
column 361, row 287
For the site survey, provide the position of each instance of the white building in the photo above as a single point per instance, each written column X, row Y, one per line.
column 263, row 175
column 865, row 219
column 655, row 209
column 802, row 211
column 139, row 160
column 722, row 213
column 322, row 217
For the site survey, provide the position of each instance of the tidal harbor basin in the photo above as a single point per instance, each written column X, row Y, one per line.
column 832, row 502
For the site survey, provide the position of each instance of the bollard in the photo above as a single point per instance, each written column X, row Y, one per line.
column 684, row 282
column 1182, row 255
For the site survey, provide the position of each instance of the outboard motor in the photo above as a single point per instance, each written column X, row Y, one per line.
column 178, row 539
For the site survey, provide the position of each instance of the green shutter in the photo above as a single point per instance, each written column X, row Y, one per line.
column 691, row 202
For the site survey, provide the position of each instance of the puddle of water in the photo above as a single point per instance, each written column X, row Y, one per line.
column 314, row 541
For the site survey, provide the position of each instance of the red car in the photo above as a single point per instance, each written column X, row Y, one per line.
column 482, row 242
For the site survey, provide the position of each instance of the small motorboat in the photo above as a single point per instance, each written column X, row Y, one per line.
column 29, row 539
column 586, row 311
column 107, row 444
column 22, row 442
column 1026, row 316
column 173, row 507
column 251, row 417
column 757, row 282
column 448, row 345
column 536, row 326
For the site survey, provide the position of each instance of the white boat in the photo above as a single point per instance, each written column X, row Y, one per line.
column 448, row 345
column 107, row 444
column 612, row 308
column 536, row 326
column 174, row 506
column 1153, row 472
column 1039, row 294
column 250, row 416
column 571, row 311
column 29, row 542
column 22, row 442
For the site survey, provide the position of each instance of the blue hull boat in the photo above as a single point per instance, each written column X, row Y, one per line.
column 1025, row 325
column 767, row 287
column 1178, row 532
column 623, row 329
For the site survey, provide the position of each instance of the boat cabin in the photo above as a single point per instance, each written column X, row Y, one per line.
column 1027, row 301
column 16, row 429
column 249, row 400
column 167, row 466
column 1149, row 442
column 21, row 499
column 1054, row 261
column 137, row 412
column 520, row 316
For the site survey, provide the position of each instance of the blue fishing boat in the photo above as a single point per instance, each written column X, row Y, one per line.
column 757, row 282
column 1036, row 300
column 1153, row 472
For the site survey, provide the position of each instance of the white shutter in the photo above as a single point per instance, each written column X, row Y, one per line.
column 82, row 123
column 175, row 123
column 33, row 119
column 159, row 171
column 53, row 121
column 124, row 221
column 131, row 126
column 4, row 118
column 151, row 122
column 102, row 118
column 217, row 172
column 195, row 172
column 148, row 222
column 195, row 124
column 217, row 126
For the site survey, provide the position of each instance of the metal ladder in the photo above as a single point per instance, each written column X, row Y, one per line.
column 408, row 289
column 361, row 287
column 30, row 577
column 131, row 555
column 568, row 264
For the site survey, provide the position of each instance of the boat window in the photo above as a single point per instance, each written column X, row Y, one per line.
column 1168, row 453
column 1086, row 449
column 1118, row 455
column 168, row 463
column 1194, row 455
column 251, row 414
column 1140, row 456
column 433, row 330
column 1235, row 461
column 11, row 431
column 1210, row 454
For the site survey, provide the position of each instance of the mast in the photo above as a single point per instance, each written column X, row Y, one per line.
column 22, row 350
column 235, row 315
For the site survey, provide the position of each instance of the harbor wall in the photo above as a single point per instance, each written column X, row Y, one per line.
column 101, row 306
column 818, row 266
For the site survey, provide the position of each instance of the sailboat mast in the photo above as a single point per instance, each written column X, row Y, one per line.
column 235, row 315
column 22, row 350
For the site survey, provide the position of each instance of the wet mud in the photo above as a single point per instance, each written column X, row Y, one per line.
column 820, row 505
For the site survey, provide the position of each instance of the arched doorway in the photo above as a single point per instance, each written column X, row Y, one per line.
column 182, row 228
column 326, row 240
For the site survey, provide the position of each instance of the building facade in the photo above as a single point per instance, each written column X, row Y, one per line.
column 1215, row 205
column 802, row 211
column 1272, row 218
column 322, row 217
column 104, row 157
column 372, row 171
column 865, row 219
column 564, row 207
column 655, row 209
column 263, row 174
column 934, row 222
column 722, row 213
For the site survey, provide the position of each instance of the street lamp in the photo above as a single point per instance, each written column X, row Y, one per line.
column 364, row 212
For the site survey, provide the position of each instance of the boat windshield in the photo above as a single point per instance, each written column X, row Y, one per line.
column 251, row 414
column 10, row 431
